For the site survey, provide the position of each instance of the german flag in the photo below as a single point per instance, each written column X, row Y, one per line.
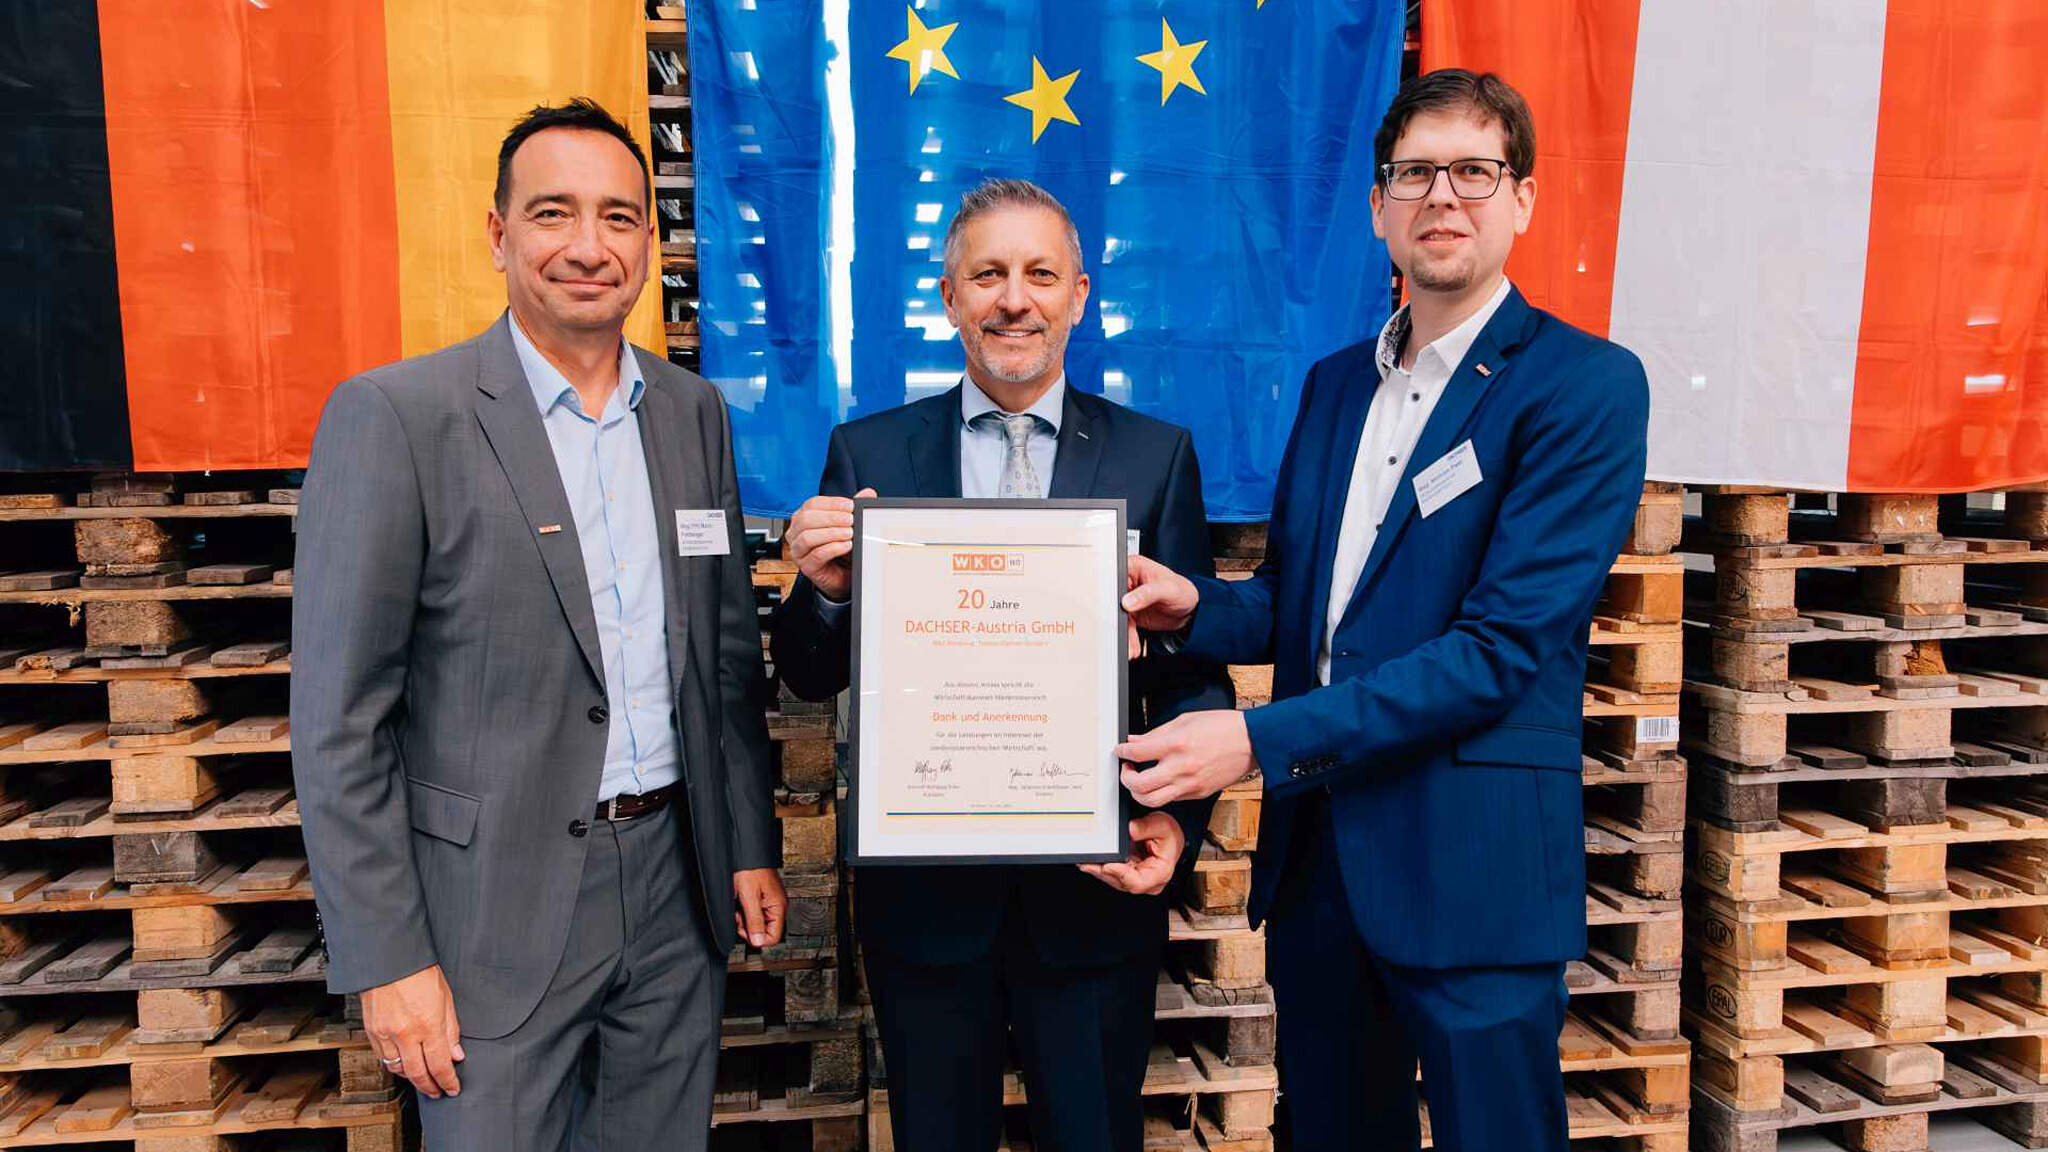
column 217, row 210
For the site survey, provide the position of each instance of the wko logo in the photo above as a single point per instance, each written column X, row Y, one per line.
column 987, row 561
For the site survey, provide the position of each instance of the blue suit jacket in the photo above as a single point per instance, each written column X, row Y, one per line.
column 943, row 915
column 1448, row 737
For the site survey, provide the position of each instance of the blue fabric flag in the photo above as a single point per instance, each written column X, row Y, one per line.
column 1216, row 157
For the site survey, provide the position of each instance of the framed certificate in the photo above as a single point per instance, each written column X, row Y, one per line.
column 989, row 679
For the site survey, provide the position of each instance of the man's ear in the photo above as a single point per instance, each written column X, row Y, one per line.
column 1525, row 203
column 946, row 297
column 1378, row 204
column 494, row 233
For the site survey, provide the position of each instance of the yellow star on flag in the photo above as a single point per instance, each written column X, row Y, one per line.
column 1047, row 99
column 924, row 49
column 1175, row 62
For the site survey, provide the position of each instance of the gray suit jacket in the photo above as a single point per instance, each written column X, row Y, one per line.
column 448, row 722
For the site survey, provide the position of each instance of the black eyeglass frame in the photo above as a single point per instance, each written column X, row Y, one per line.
column 1444, row 170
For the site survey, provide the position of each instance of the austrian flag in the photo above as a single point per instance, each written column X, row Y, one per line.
column 1823, row 226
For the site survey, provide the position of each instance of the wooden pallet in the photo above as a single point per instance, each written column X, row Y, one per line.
column 1881, row 1098
column 1602, row 1107
column 1760, row 729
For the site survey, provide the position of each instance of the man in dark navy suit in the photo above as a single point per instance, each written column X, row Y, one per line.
column 1067, row 956
column 1449, row 504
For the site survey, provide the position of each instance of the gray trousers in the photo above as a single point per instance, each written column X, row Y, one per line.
column 622, row 1051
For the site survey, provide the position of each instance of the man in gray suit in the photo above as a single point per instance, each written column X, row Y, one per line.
column 527, row 690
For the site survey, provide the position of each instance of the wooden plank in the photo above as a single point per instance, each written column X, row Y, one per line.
column 278, row 1023
column 88, row 963
column 87, row 1038
column 43, row 580
column 254, row 730
column 273, row 874
column 1818, row 1092
column 32, row 1109
column 254, row 654
column 80, row 887
column 66, row 737
column 230, row 574
column 252, row 802
column 280, row 951
column 284, row 1095
column 96, row 1111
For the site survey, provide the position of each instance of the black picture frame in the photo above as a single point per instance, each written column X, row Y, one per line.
column 854, row 853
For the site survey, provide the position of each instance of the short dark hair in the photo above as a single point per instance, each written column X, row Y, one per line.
column 582, row 114
column 1489, row 98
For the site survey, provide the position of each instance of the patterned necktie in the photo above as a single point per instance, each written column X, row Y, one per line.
column 1020, row 479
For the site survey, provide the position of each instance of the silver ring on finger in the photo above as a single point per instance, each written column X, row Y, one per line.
column 394, row 1062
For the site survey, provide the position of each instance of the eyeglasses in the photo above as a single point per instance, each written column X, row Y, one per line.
column 1473, row 178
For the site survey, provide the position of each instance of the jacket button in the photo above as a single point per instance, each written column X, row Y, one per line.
column 578, row 828
column 597, row 714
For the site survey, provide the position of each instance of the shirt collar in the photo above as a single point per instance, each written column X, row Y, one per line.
column 1451, row 346
column 974, row 402
column 550, row 386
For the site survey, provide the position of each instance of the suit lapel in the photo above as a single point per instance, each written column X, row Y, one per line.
column 1468, row 385
column 666, row 430
column 511, row 424
column 1079, row 453
column 935, row 449
column 1354, row 404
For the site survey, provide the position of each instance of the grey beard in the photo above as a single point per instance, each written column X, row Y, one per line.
column 1053, row 350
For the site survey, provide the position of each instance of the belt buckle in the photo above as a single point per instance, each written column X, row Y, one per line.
column 611, row 809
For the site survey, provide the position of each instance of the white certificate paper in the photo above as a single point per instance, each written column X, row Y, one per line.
column 990, row 681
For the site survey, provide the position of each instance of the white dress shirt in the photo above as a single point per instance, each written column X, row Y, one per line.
column 1400, row 409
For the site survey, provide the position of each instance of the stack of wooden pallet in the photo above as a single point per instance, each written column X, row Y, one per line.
column 1867, row 726
column 160, row 968
column 675, row 181
column 791, row 1074
column 160, row 974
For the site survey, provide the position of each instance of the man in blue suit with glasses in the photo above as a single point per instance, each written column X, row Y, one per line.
column 1451, row 499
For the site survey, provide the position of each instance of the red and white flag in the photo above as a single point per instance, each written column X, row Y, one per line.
column 1822, row 224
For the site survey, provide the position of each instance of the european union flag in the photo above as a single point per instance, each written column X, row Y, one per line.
column 1216, row 156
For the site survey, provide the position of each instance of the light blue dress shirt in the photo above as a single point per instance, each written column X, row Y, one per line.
column 604, row 471
column 982, row 449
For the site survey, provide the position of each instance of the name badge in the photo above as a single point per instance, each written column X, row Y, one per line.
column 1131, row 542
column 1447, row 479
column 701, row 532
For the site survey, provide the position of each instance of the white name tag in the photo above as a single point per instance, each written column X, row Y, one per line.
column 701, row 532
column 1447, row 479
column 1131, row 542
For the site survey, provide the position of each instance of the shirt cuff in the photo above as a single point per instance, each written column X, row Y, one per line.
column 830, row 611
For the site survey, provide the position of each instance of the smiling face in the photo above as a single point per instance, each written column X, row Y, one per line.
column 1015, row 292
column 1443, row 244
column 572, row 239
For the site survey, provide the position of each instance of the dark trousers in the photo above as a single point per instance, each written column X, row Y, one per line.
column 622, row 1051
column 1082, row 1034
column 1352, row 1027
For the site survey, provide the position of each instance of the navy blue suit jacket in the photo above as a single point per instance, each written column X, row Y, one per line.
column 1448, row 738
column 938, row 914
